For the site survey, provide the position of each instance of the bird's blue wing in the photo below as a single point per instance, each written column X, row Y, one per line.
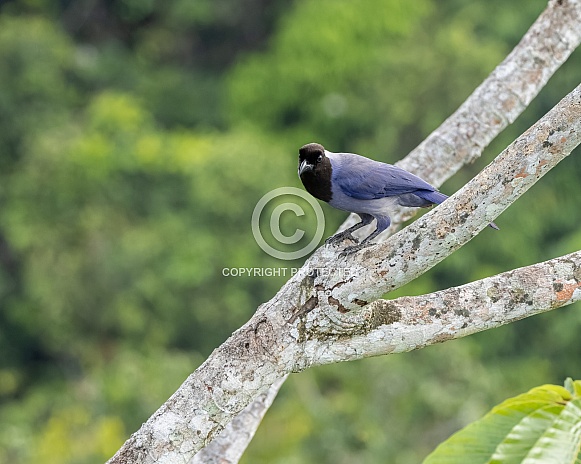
column 365, row 179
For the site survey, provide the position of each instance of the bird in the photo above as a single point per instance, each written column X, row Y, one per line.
column 371, row 189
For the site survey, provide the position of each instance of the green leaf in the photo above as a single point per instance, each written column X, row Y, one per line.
column 542, row 426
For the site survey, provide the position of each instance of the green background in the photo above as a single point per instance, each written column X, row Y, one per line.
column 136, row 137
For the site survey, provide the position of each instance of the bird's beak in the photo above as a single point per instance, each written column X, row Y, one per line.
column 305, row 167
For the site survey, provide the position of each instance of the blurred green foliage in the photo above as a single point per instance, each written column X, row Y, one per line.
column 136, row 138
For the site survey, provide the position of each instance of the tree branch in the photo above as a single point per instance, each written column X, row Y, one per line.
column 497, row 102
column 502, row 97
column 409, row 323
column 268, row 347
column 228, row 447
column 437, row 234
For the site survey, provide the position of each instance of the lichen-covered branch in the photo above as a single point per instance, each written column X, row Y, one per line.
column 270, row 346
column 437, row 234
column 409, row 323
column 503, row 96
column 228, row 447
column 496, row 103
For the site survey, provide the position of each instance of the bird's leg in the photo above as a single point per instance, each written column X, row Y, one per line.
column 382, row 224
column 348, row 233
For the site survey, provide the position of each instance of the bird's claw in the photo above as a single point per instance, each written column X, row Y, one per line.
column 337, row 238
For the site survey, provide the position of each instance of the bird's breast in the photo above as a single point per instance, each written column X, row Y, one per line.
column 376, row 207
column 318, row 185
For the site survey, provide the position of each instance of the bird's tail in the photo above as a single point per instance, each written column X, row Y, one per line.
column 438, row 197
column 432, row 196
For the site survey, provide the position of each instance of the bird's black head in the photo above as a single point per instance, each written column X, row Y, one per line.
column 311, row 156
column 315, row 171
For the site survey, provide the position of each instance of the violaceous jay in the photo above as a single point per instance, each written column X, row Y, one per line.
column 368, row 188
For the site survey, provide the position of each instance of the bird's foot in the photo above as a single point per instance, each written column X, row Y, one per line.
column 353, row 249
column 337, row 238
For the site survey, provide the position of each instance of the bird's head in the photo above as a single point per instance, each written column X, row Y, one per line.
column 316, row 171
column 311, row 158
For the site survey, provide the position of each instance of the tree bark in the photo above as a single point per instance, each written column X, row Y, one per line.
column 497, row 102
column 337, row 316
column 228, row 446
column 276, row 341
